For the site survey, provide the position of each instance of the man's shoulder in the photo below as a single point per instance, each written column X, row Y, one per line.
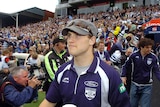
column 50, row 54
column 4, row 81
column 153, row 55
column 108, row 69
column 3, row 77
column 96, row 53
column 65, row 65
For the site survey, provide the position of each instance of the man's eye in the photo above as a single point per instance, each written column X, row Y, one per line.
column 68, row 35
column 78, row 35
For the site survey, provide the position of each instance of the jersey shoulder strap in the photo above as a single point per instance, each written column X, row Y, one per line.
column 28, row 56
column 4, row 81
column 2, row 90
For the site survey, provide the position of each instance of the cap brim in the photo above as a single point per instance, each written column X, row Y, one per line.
column 61, row 40
column 74, row 29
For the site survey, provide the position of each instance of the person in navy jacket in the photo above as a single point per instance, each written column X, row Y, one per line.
column 143, row 63
column 85, row 80
column 102, row 53
column 21, row 89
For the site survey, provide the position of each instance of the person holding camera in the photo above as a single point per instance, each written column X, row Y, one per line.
column 21, row 89
column 32, row 62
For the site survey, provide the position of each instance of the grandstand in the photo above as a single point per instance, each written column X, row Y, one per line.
column 31, row 15
column 73, row 7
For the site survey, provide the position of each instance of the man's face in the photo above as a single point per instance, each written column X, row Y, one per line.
column 22, row 79
column 79, row 45
column 22, row 47
column 61, row 45
column 101, row 47
column 146, row 50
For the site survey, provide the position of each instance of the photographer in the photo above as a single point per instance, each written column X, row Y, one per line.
column 22, row 88
column 32, row 62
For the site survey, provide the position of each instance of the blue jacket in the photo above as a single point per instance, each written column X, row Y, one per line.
column 142, row 68
column 17, row 95
column 99, row 86
column 103, row 55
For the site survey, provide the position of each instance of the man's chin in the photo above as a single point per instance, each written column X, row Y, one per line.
column 25, row 84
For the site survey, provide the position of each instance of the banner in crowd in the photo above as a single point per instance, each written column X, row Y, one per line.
column 152, row 27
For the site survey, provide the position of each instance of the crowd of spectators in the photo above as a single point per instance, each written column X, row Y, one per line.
column 119, row 29
column 110, row 24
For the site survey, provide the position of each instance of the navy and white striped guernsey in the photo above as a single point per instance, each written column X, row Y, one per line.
column 99, row 86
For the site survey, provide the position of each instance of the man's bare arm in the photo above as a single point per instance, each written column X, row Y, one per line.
column 46, row 103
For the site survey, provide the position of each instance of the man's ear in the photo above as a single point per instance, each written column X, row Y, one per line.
column 15, row 78
column 57, row 44
column 92, row 40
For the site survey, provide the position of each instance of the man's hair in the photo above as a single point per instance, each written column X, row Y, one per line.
column 100, row 42
column 32, row 48
column 5, row 51
column 145, row 42
column 80, row 26
column 17, row 70
column 35, row 55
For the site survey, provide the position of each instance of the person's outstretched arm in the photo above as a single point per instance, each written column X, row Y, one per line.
column 46, row 103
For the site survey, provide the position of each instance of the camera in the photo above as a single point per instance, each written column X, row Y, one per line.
column 41, row 76
column 37, row 71
column 31, row 76
column 12, row 57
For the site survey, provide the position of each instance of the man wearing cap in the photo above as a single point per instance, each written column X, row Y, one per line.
column 53, row 59
column 85, row 80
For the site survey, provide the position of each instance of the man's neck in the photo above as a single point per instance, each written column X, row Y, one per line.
column 143, row 54
column 57, row 51
column 83, row 61
column 101, row 51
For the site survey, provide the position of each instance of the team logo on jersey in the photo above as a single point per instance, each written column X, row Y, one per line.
column 90, row 93
column 149, row 61
column 137, row 57
column 91, row 83
column 65, row 80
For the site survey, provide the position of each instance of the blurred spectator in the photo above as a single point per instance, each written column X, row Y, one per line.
column 5, row 59
column 12, row 59
column 39, row 49
column 110, row 41
column 102, row 54
column 54, row 59
column 21, row 49
column 32, row 59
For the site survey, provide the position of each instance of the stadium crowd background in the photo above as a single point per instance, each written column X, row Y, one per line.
column 125, row 23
